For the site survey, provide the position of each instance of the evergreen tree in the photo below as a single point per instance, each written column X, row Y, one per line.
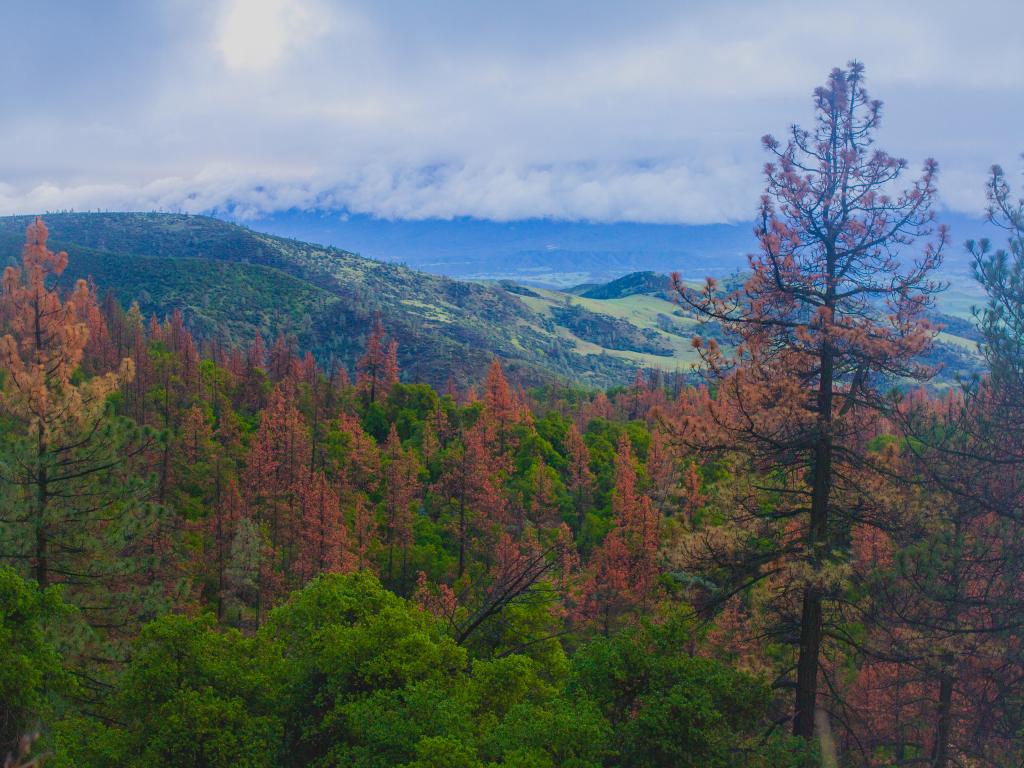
column 813, row 348
column 74, row 510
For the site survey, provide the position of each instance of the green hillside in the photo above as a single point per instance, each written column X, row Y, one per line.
column 628, row 285
column 229, row 282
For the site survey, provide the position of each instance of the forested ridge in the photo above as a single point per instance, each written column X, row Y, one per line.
column 217, row 554
column 230, row 282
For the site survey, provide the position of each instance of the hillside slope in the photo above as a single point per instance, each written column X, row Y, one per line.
column 229, row 282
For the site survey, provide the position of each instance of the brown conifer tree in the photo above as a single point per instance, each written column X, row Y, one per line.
column 581, row 480
column 70, row 505
column 401, row 489
column 834, row 307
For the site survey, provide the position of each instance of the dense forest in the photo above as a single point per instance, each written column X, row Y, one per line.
column 222, row 555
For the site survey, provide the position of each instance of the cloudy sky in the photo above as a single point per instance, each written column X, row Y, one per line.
column 606, row 111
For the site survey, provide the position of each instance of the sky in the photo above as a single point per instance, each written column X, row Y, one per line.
column 597, row 111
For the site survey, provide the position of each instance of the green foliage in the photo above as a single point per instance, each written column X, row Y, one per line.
column 561, row 732
column 346, row 673
column 375, row 422
column 373, row 681
column 192, row 696
column 366, row 675
column 31, row 675
column 670, row 708
column 409, row 405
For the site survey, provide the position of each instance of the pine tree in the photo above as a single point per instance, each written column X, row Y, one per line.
column 323, row 540
column 543, row 507
column 581, row 479
column 253, row 392
column 470, row 485
column 100, row 353
column 195, row 436
column 623, row 573
column 73, row 510
column 281, row 363
column 377, row 369
column 401, row 491
column 662, row 475
column 692, row 496
column 501, row 409
column 812, row 347
column 365, row 535
column 278, row 458
column 354, row 458
column 222, row 527
column 390, row 374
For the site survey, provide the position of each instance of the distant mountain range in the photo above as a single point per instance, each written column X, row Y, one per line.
column 554, row 253
column 230, row 282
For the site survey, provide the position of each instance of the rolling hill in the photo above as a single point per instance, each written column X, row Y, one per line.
column 230, row 282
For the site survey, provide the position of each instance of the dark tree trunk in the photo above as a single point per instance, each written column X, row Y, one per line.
column 940, row 750
column 817, row 540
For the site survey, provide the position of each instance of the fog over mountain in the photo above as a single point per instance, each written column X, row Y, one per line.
column 645, row 112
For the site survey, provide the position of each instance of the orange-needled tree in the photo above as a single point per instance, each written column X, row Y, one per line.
column 73, row 510
column 833, row 311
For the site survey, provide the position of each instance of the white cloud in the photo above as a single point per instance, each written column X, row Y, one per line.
column 255, row 34
column 649, row 111
column 653, row 194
